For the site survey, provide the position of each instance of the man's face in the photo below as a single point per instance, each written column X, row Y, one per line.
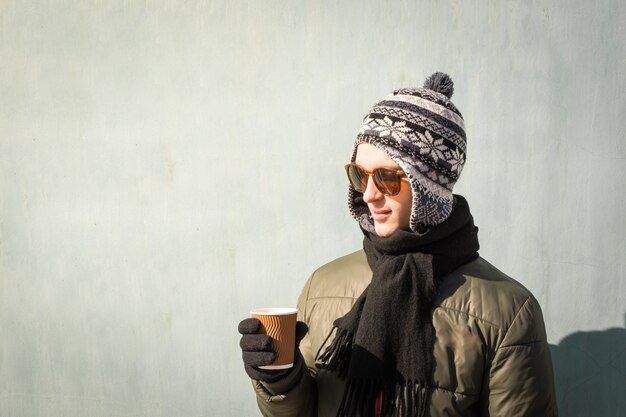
column 389, row 213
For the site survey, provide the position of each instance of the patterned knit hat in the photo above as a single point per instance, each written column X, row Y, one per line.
column 423, row 132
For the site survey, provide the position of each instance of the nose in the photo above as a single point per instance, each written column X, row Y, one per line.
column 371, row 193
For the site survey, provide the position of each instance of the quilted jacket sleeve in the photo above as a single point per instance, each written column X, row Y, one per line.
column 520, row 380
column 296, row 394
column 298, row 400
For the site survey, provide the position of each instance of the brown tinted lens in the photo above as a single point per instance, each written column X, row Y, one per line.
column 387, row 181
column 358, row 178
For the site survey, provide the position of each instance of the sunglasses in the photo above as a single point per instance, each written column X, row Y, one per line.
column 386, row 180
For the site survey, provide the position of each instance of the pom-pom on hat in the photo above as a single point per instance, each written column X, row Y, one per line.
column 424, row 133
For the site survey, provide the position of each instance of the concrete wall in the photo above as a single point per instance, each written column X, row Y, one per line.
column 166, row 165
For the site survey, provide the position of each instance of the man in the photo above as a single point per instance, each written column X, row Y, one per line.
column 416, row 323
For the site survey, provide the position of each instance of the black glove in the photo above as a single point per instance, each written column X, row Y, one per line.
column 257, row 350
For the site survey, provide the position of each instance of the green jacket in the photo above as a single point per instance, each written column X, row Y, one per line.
column 492, row 357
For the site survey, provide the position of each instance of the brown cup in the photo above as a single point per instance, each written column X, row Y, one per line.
column 280, row 325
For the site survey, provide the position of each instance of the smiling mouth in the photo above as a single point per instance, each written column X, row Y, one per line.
column 380, row 215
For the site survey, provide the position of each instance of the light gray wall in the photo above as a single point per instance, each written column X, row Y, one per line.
column 167, row 165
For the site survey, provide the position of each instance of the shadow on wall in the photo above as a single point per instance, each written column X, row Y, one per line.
column 590, row 373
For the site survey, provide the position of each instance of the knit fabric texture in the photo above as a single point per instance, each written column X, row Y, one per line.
column 424, row 133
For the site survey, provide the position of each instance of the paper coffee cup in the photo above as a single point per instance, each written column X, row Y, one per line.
column 280, row 325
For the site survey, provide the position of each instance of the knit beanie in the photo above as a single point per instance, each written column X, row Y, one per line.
column 423, row 132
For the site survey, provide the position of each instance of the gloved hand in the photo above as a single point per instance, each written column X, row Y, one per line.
column 257, row 350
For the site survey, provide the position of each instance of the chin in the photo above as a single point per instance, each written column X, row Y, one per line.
column 384, row 230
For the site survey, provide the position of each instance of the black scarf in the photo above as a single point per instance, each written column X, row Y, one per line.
column 384, row 344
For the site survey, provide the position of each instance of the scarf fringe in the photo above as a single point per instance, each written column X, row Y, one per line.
column 336, row 357
column 408, row 399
